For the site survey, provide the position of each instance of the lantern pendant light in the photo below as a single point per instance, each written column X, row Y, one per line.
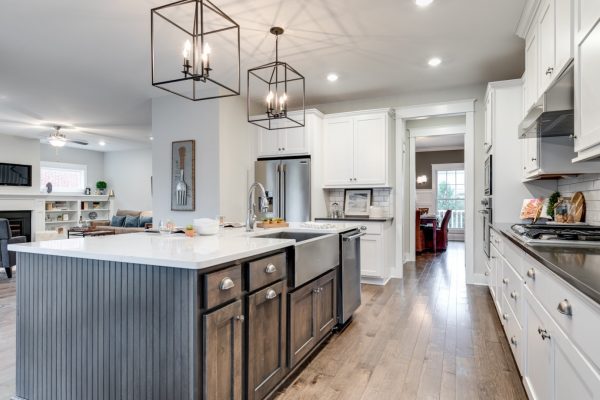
column 276, row 93
column 182, row 57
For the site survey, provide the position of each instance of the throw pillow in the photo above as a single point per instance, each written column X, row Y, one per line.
column 117, row 220
column 132, row 222
column 144, row 221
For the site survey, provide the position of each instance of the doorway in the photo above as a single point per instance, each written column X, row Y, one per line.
column 428, row 121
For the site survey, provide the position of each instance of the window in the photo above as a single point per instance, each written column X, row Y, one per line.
column 450, row 193
column 65, row 178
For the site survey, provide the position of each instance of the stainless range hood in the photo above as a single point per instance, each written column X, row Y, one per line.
column 553, row 115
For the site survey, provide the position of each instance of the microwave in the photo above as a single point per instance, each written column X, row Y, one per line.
column 488, row 176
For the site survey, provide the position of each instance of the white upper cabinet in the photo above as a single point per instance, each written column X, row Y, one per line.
column 291, row 141
column 587, row 79
column 489, row 121
column 546, row 30
column 548, row 48
column 338, row 146
column 357, row 149
column 370, row 149
column 531, row 67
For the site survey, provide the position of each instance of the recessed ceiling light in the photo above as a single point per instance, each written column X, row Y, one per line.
column 102, row 143
column 332, row 77
column 434, row 62
column 423, row 3
column 151, row 138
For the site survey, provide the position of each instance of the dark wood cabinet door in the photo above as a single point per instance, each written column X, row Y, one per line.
column 266, row 339
column 326, row 304
column 222, row 369
column 302, row 322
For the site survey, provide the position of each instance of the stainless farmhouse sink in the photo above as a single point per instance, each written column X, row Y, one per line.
column 314, row 254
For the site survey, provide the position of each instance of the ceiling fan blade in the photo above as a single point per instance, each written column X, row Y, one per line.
column 77, row 141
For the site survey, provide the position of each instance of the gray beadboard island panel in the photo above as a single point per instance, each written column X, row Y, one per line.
column 92, row 329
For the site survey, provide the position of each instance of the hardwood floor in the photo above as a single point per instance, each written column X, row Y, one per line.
column 428, row 336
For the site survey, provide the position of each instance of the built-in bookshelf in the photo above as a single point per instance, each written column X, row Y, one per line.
column 64, row 213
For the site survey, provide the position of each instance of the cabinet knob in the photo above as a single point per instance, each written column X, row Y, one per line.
column 316, row 290
column 271, row 294
column 533, row 159
column 505, row 317
column 283, row 148
column 363, row 228
column 350, row 179
column 226, row 284
column 565, row 308
column 513, row 340
column 505, row 281
column 549, row 71
column 240, row 318
column 270, row 269
column 487, row 273
column 572, row 136
column 513, row 295
column 543, row 333
column 531, row 273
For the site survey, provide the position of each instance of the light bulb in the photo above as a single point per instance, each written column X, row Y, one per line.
column 187, row 47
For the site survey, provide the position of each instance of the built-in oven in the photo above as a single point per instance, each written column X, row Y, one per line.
column 488, row 176
column 486, row 213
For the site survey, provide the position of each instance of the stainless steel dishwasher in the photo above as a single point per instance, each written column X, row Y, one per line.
column 349, row 275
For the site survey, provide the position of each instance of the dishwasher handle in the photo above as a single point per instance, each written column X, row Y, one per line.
column 351, row 238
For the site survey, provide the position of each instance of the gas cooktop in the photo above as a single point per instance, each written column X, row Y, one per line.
column 565, row 235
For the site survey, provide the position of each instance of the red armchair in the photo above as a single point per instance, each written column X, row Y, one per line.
column 442, row 232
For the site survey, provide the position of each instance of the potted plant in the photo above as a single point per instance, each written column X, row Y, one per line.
column 189, row 231
column 101, row 186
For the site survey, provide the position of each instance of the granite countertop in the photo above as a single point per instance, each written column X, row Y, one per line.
column 176, row 250
column 366, row 219
column 580, row 267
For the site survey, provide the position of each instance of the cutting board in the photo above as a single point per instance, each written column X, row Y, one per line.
column 577, row 213
column 267, row 225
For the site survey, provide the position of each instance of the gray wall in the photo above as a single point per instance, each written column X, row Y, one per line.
column 175, row 118
column 425, row 159
column 128, row 173
column 93, row 159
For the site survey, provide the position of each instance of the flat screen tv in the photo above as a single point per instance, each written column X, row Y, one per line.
column 15, row 175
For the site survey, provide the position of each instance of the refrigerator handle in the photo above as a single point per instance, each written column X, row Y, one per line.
column 283, row 191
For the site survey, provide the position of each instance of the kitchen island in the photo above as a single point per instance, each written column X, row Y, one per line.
column 145, row 316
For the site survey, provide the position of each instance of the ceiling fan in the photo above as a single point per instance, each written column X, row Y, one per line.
column 59, row 139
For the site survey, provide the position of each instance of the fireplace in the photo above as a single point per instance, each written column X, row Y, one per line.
column 19, row 221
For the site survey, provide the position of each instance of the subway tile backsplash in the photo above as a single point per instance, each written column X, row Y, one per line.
column 589, row 185
column 381, row 198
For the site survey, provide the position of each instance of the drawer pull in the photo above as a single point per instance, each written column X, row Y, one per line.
column 513, row 340
column 240, row 318
column 565, row 308
column 271, row 294
column 544, row 334
column 505, row 317
column 226, row 284
column 487, row 273
column 531, row 273
column 270, row 269
column 513, row 295
column 505, row 281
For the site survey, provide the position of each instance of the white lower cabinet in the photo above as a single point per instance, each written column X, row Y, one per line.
column 377, row 255
column 557, row 354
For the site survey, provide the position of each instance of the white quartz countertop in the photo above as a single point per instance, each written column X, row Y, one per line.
column 175, row 250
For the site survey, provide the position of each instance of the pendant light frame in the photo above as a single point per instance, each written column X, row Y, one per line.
column 197, row 35
column 271, row 119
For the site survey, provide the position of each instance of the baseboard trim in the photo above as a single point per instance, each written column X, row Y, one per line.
column 369, row 280
column 478, row 279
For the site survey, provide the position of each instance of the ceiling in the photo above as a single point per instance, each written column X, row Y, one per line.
column 88, row 63
column 440, row 143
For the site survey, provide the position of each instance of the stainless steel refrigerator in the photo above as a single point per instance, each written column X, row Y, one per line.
column 287, row 183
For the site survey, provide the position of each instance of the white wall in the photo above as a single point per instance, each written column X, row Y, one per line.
column 175, row 118
column 18, row 150
column 93, row 159
column 128, row 174
column 236, row 157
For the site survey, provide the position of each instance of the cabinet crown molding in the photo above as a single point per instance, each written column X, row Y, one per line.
column 527, row 16
column 389, row 111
